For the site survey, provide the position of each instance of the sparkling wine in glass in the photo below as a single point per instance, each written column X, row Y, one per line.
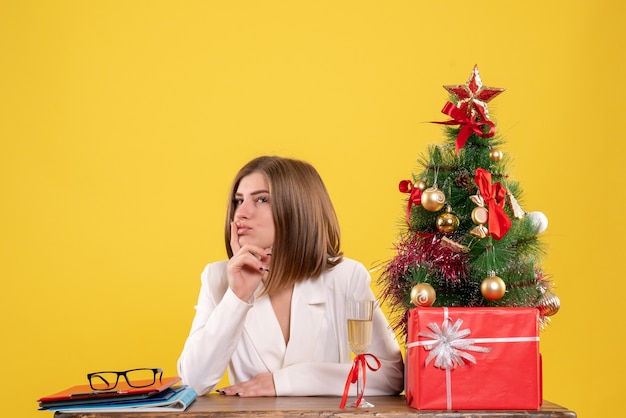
column 360, row 314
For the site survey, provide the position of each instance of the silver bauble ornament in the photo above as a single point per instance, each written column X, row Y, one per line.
column 539, row 220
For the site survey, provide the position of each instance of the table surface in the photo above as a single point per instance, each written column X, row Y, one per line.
column 308, row 407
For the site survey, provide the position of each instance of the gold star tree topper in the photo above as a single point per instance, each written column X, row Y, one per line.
column 473, row 96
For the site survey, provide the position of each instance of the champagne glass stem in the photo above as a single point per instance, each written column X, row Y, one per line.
column 359, row 390
column 359, row 386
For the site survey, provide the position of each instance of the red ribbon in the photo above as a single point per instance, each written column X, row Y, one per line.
column 468, row 125
column 406, row 186
column 360, row 362
column 493, row 195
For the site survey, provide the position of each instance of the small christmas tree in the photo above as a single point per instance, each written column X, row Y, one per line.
column 468, row 242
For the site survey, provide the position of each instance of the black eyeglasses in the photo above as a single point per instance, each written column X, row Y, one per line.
column 136, row 378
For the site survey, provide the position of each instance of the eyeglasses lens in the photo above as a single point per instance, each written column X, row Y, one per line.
column 103, row 380
column 139, row 378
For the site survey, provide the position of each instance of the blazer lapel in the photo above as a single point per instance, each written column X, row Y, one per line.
column 308, row 307
column 264, row 332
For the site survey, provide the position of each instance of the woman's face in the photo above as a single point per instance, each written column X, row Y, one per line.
column 253, row 211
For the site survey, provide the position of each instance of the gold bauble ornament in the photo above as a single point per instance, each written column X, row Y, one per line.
column 421, row 185
column 495, row 155
column 433, row 199
column 492, row 288
column 423, row 295
column 549, row 304
column 447, row 222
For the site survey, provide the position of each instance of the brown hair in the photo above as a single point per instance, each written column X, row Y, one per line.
column 307, row 237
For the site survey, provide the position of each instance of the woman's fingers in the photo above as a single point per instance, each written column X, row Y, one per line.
column 260, row 385
column 261, row 257
column 246, row 269
column 264, row 257
column 234, row 238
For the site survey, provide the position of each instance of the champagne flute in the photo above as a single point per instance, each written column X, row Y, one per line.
column 360, row 314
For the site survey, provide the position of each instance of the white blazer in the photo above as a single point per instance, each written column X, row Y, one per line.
column 246, row 339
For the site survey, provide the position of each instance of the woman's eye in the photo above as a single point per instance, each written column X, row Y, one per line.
column 238, row 202
column 263, row 199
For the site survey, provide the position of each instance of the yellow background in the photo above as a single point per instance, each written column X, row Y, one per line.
column 123, row 122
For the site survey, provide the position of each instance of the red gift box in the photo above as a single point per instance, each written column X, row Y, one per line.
column 473, row 358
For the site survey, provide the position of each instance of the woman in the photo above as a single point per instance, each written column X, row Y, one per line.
column 274, row 312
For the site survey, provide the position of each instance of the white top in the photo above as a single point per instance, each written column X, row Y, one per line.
column 246, row 337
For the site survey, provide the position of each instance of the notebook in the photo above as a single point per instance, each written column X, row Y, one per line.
column 85, row 394
column 177, row 398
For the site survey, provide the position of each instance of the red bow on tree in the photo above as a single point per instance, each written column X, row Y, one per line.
column 493, row 195
column 415, row 198
column 469, row 125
